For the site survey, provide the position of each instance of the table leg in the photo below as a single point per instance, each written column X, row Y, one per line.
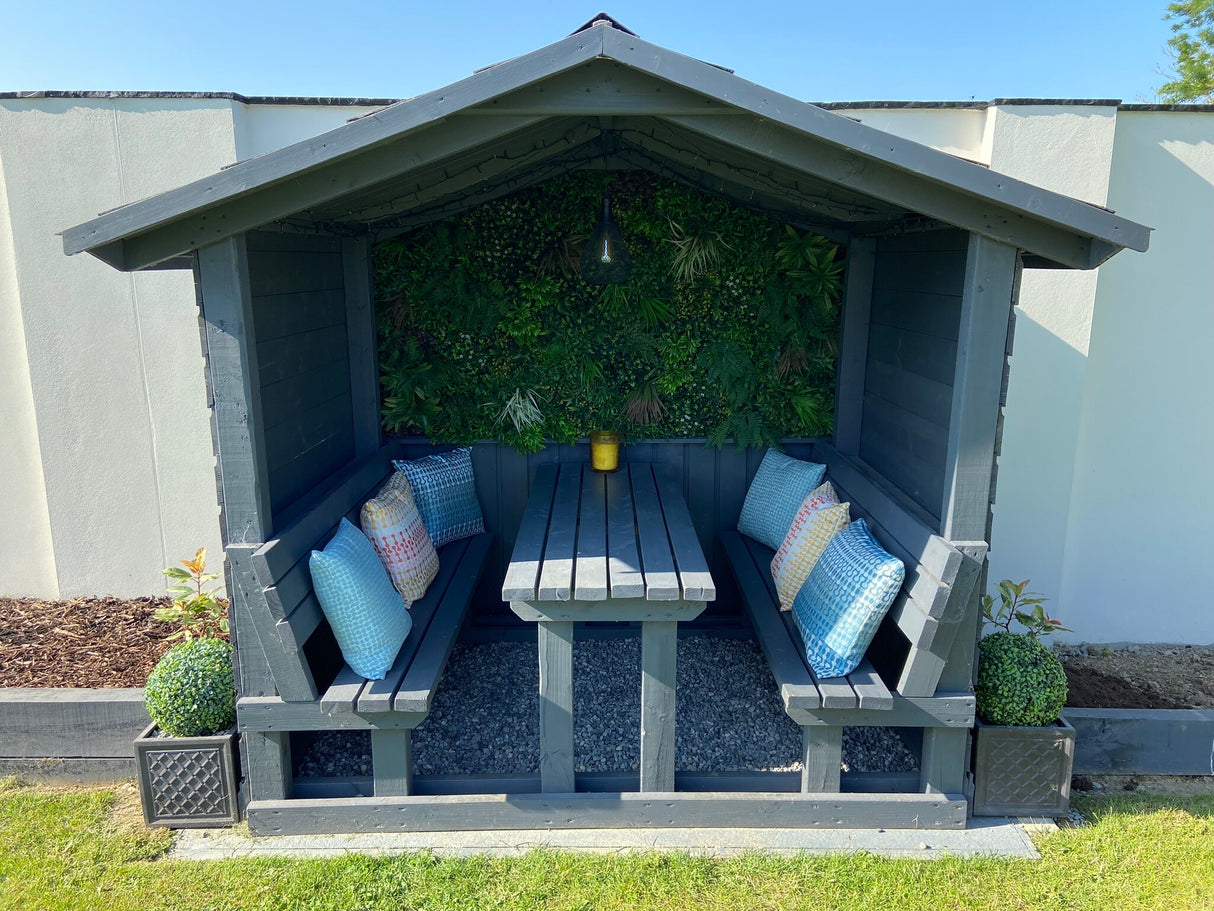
column 659, row 650
column 556, row 706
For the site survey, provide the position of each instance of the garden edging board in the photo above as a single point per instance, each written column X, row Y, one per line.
column 1143, row 741
column 76, row 734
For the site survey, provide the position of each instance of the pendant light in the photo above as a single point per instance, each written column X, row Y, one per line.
column 605, row 260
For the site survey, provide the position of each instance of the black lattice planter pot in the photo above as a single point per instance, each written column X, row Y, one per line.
column 1023, row 771
column 187, row 782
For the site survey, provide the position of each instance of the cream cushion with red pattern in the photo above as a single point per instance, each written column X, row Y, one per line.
column 393, row 525
column 820, row 517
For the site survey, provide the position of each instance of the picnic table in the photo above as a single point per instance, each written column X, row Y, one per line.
column 615, row 547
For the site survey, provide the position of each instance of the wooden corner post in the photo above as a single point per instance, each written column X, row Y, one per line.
column 224, row 293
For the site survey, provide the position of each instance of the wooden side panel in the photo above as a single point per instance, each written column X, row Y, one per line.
column 911, row 351
column 362, row 344
column 300, row 307
column 853, row 344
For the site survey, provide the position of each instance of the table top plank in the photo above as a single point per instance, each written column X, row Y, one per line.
column 590, row 574
column 623, row 559
column 522, row 574
column 556, row 573
column 694, row 576
column 661, row 579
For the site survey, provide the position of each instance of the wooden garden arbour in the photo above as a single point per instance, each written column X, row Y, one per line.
column 280, row 246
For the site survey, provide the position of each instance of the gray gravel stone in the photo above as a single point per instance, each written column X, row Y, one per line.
column 485, row 718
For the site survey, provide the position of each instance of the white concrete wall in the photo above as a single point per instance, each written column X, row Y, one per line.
column 1141, row 524
column 1105, row 485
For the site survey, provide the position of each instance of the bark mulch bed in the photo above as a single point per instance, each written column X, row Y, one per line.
column 114, row 642
column 87, row 642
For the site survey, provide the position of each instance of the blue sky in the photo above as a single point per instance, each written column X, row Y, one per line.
column 836, row 51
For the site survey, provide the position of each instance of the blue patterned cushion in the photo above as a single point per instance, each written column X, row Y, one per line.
column 367, row 613
column 779, row 488
column 445, row 491
column 841, row 604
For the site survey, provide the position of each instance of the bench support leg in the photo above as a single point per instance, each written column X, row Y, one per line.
column 556, row 706
column 392, row 762
column 267, row 764
column 821, row 758
column 659, row 652
column 944, row 760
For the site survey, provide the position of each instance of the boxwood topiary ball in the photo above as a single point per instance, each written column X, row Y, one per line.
column 191, row 691
column 1020, row 681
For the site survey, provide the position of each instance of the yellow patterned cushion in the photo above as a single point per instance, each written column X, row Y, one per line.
column 820, row 517
column 391, row 522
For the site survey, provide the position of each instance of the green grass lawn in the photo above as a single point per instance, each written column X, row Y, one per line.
column 78, row 849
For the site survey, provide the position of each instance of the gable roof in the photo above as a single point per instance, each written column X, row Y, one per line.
column 603, row 96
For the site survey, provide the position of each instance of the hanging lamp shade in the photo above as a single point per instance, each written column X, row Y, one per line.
column 605, row 260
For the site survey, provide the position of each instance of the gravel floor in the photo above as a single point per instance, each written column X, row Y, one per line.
column 485, row 721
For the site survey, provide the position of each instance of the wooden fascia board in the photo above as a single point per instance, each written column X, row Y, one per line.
column 866, row 143
column 891, row 184
column 356, row 138
column 265, row 204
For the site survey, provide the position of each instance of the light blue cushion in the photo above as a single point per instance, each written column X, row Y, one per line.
column 843, row 601
column 445, row 491
column 367, row 613
column 776, row 493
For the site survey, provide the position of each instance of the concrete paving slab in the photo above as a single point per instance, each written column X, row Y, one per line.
column 985, row 837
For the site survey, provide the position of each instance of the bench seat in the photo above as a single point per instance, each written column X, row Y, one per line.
column 896, row 684
column 310, row 688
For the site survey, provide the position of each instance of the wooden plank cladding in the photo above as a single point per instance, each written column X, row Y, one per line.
column 299, row 311
column 913, row 327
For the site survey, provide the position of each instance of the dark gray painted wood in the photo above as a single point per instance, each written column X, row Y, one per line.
column 417, row 690
column 990, row 286
column 232, row 369
column 591, row 571
column 694, row 577
column 556, row 573
column 292, row 676
column 891, row 184
column 945, row 759
column 556, row 706
column 266, row 764
column 624, row 561
column 70, row 723
column 522, row 575
column 657, row 561
column 845, row 152
column 363, row 346
column 1141, row 741
column 611, row 782
column 821, row 759
column 658, row 663
column 392, row 762
column 270, row 713
column 610, row 810
column 853, row 344
column 305, row 369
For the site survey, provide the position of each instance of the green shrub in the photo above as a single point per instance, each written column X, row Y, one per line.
column 1020, row 681
column 191, row 691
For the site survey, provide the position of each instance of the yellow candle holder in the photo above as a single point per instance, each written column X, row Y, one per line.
column 605, row 451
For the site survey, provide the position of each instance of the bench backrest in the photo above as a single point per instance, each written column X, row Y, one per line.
column 292, row 630
column 912, row 646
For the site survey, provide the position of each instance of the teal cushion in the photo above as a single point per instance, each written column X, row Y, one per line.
column 779, row 488
column 367, row 613
column 445, row 490
column 843, row 601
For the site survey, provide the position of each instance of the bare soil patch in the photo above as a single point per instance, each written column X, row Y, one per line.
column 86, row 642
column 1139, row 676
